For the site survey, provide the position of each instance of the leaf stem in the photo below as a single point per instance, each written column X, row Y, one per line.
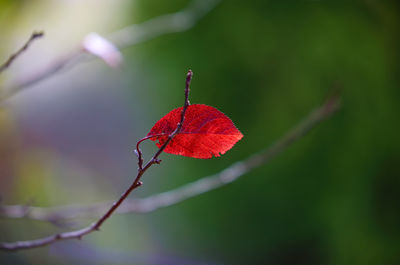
column 170, row 136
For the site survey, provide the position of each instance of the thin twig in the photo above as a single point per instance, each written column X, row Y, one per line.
column 123, row 38
column 34, row 36
column 138, row 152
column 78, row 234
column 184, row 192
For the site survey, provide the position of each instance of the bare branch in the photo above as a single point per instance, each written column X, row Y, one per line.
column 184, row 192
column 78, row 234
column 34, row 36
column 170, row 23
column 129, row 36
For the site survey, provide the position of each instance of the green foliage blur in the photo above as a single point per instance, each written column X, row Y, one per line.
column 331, row 198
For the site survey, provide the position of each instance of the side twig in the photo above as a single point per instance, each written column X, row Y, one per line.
column 175, row 196
column 78, row 234
column 34, row 36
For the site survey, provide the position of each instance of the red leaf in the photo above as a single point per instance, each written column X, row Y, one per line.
column 206, row 132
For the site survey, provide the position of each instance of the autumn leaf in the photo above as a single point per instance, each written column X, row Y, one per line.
column 206, row 132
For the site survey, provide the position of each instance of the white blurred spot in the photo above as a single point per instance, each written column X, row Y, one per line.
column 99, row 46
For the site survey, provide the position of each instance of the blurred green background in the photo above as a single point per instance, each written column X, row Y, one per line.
column 331, row 198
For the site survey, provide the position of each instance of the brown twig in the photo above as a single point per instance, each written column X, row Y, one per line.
column 78, row 234
column 34, row 36
column 184, row 192
column 178, row 128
